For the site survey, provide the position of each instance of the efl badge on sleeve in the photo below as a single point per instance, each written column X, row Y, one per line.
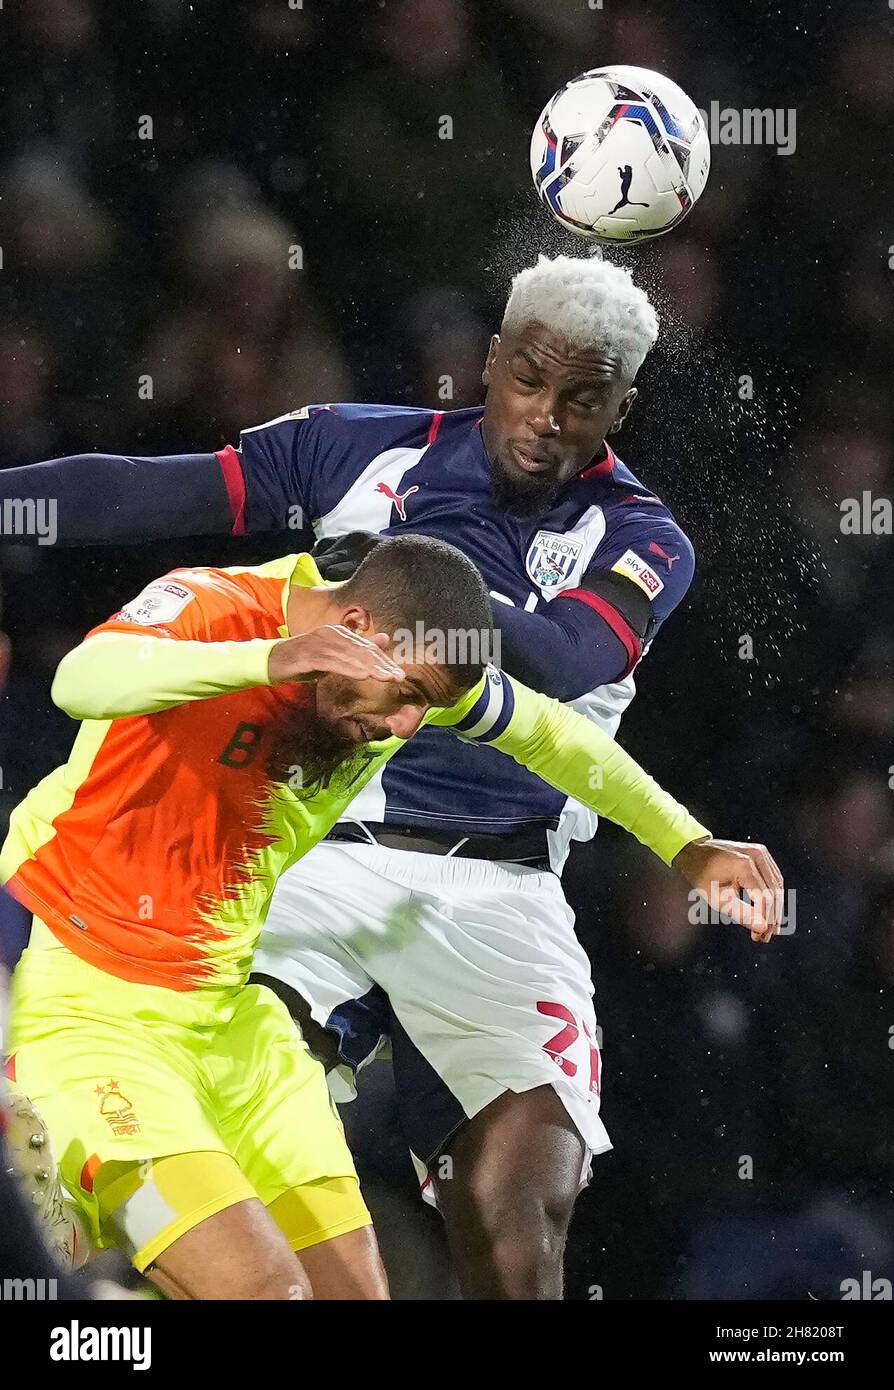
column 160, row 602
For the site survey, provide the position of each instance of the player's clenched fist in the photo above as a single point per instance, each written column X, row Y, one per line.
column 333, row 649
column 721, row 869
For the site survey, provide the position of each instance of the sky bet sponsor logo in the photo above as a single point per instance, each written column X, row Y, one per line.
column 642, row 574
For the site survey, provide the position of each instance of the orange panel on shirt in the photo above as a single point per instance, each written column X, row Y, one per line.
column 163, row 830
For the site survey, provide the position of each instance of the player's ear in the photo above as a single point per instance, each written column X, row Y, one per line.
column 623, row 410
column 356, row 619
column 491, row 359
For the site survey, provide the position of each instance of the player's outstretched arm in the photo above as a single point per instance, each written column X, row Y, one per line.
column 101, row 499
column 577, row 757
column 267, row 484
column 115, row 674
column 112, row 675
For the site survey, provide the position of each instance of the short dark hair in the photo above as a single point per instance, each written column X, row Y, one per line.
column 410, row 580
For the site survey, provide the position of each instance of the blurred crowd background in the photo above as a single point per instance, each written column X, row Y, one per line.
column 749, row 1091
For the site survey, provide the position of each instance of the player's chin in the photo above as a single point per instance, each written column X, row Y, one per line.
column 521, row 492
column 340, row 729
column 354, row 730
column 509, row 465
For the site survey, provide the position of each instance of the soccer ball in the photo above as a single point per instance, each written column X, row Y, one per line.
column 620, row 154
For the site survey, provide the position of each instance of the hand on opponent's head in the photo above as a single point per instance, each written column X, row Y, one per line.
column 333, row 650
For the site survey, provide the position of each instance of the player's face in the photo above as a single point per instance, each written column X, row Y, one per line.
column 549, row 407
column 370, row 709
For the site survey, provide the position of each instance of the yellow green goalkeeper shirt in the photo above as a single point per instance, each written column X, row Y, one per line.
column 154, row 851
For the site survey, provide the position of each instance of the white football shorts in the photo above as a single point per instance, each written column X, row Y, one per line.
column 469, row 969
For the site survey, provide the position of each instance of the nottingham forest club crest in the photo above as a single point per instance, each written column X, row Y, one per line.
column 116, row 1109
column 551, row 558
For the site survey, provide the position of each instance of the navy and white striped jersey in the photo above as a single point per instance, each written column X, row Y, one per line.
column 393, row 469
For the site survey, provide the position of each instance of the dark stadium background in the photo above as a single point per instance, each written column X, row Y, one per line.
column 318, row 126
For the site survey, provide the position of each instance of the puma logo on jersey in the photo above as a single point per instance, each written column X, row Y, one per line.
column 655, row 548
column 398, row 498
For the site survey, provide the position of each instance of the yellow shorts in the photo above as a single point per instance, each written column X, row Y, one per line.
column 165, row 1107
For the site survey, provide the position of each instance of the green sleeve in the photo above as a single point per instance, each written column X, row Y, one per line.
column 115, row 674
column 575, row 756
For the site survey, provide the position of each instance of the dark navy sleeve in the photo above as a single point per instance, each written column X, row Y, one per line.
column 277, row 465
column 283, row 474
column 563, row 650
column 639, row 574
column 102, row 499
column 264, row 485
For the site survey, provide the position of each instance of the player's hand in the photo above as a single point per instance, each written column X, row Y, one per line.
column 337, row 557
column 333, row 649
column 721, row 869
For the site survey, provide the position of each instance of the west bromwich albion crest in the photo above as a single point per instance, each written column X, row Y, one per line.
column 551, row 558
